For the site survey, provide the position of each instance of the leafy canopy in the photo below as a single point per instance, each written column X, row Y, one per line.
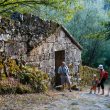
column 65, row 7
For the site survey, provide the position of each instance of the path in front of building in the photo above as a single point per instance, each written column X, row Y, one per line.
column 78, row 101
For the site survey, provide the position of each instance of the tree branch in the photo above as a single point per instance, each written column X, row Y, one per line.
column 3, row 2
column 7, row 9
column 27, row 2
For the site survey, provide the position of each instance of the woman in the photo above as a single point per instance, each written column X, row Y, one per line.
column 65, row 77
column 103, row 78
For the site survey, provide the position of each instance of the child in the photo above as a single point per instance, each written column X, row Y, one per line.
column 94, row 84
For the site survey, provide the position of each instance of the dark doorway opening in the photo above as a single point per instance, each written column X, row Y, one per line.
column 59, row 58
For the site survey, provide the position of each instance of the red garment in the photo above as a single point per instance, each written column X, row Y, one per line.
column 93, row 88
column 103, row 74
column 106, row 75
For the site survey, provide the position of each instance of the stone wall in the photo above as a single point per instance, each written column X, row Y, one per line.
column 43, row 56
column 30, row 39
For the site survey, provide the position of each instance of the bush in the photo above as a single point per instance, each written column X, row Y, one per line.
column 8, row 87
column 37, row 79
column 21, row 89
column 86, row 74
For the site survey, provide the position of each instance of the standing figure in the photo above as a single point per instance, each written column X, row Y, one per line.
column 94, row 84
column 64, row 73
column 103, row 78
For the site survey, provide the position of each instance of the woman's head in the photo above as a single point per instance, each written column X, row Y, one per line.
column 100, row 67
column 63, row 63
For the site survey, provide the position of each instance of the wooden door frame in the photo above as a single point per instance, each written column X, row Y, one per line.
column 57, row 76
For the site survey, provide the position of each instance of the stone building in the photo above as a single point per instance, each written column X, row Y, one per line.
column 59, row 46
column 44, row 44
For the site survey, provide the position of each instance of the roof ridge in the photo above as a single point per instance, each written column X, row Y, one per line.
column 72, row 38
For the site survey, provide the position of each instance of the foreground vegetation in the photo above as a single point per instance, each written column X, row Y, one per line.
column 22, row 80
column 28, row 79
column 85, row 75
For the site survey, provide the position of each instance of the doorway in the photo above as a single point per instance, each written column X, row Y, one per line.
column 59, row 58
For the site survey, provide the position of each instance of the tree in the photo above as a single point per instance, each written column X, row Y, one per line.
column 87, row 26
column 65, row 8
column 92, row 52
column 88, row 21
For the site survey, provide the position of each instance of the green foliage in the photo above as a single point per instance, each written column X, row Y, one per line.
column 64, row 14
column 88, row 21
column 22, row 89
column 29, row 80
column 37, row 79
column 89, row 26
column 9, row 87
column 86, row 74
column 25, row 80
column 44, row 8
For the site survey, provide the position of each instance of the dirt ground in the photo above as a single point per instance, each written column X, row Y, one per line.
column 28, row 101
column 55, row 100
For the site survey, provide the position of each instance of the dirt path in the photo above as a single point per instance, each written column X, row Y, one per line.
column 78, row 101
column 55, row 100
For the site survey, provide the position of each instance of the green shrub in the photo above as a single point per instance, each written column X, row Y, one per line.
column 37, row 79
column 7, row 90
column 8, row 87
column 29, row 79
column 24, row 78
column 86, row 74
column 21, row 89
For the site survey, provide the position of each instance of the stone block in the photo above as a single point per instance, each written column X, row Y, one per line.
column 47, row 56
column 52, row 55
column 62, row 34
column 51, row 39
column 51, row 62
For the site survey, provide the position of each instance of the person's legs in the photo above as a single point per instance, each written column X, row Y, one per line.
column 102, row 86
column 68, row 82
column 98, row 88
column 95, row 90
column 65, row 85
column 91, row 90
column 103, row 91
column 63, row 82
column 69, row 86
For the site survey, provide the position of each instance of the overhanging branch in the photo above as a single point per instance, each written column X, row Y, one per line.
column 27, row 2
column 7, row 6
column 7, row 9
column 3, row 2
